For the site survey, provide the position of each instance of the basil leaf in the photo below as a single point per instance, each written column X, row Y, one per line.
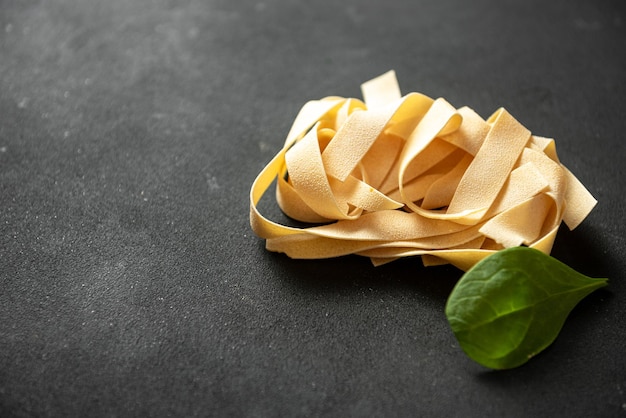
column 512, row 305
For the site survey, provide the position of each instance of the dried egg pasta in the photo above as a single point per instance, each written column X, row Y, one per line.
column 395, row 176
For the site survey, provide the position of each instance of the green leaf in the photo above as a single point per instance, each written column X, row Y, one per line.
column 512, row 305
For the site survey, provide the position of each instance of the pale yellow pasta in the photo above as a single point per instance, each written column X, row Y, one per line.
column 397, row 176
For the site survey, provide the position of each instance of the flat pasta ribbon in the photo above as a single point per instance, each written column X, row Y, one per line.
column 396, row 176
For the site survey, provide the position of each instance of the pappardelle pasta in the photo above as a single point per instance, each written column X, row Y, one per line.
column 393, row 176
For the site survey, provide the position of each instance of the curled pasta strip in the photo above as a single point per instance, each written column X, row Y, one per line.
column 395, row 176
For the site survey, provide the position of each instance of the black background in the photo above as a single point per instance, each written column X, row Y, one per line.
column 130, row 281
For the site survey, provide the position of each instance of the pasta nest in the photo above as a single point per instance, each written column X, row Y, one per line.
column 393, row 176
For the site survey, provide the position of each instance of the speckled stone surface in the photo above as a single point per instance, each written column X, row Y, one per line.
column 130, row 281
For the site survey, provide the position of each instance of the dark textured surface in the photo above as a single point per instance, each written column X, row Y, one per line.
column 130, row 282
